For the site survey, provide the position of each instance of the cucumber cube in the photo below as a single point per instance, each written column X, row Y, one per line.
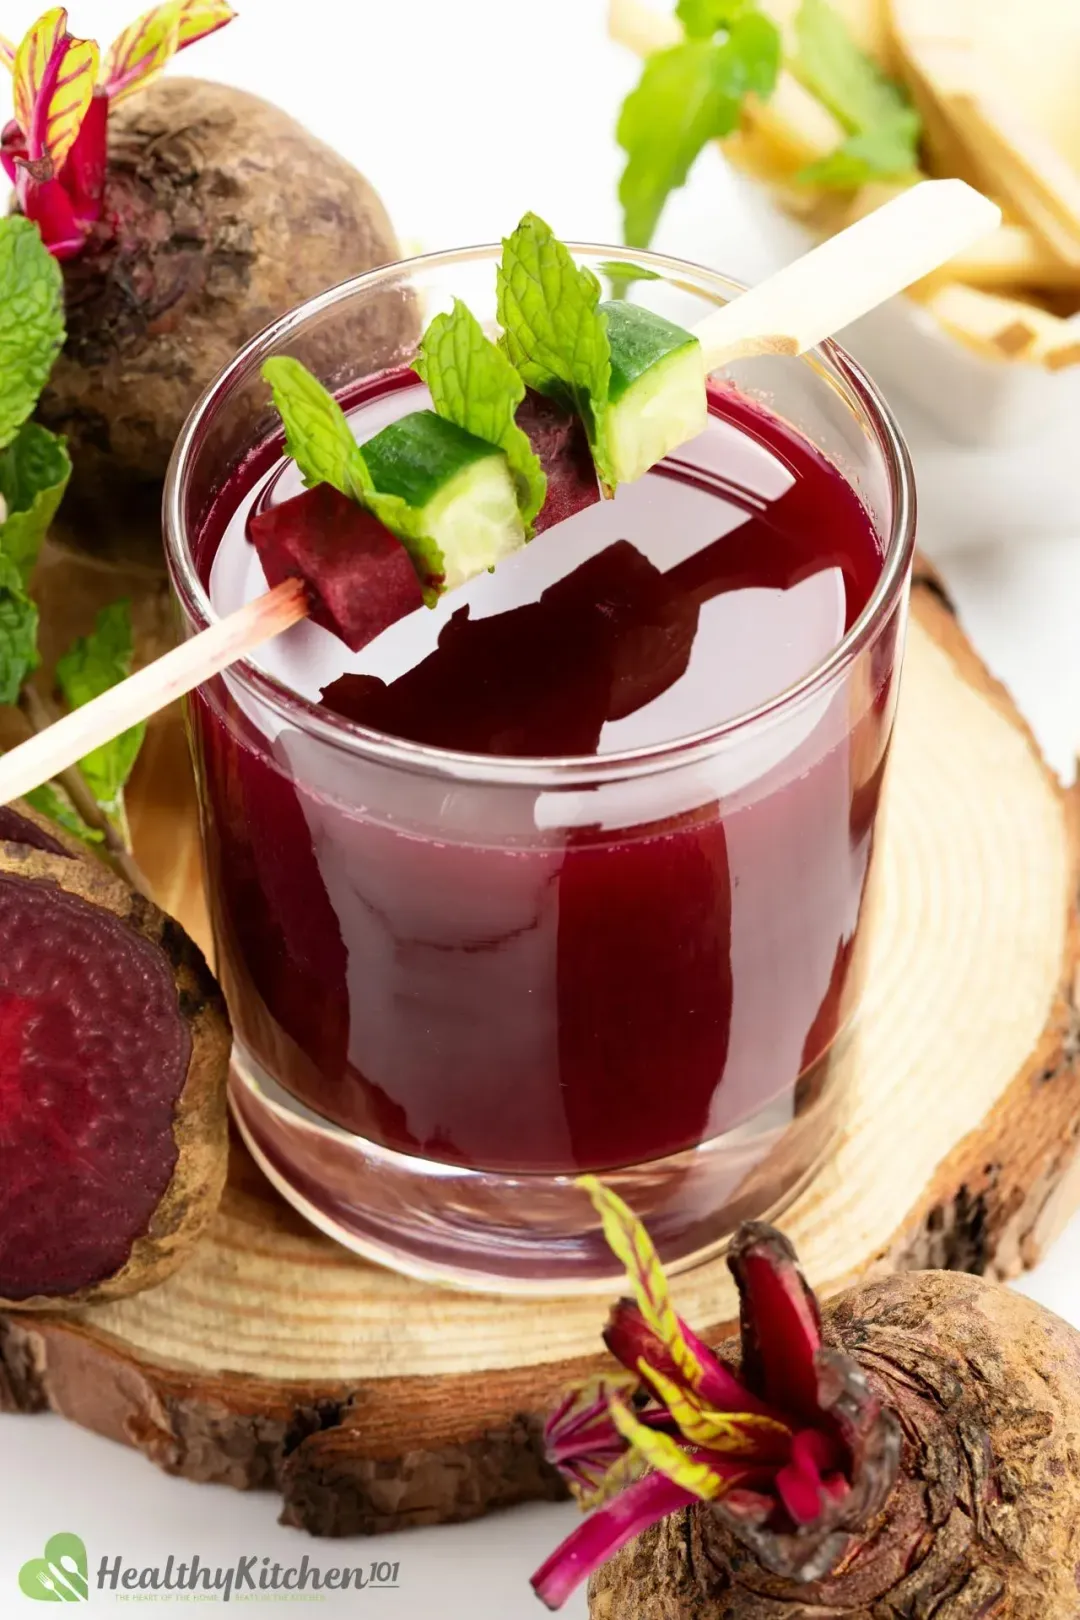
column 657, row 399
column 460, row 488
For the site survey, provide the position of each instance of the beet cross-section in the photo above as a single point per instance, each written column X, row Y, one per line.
column 113, row 1060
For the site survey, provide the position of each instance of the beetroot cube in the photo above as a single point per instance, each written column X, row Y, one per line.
column 359, row 577
column 559, row 439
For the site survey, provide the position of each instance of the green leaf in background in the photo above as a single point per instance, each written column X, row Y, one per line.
column 93, row 665
column 878, row 155
column 320, row 441
column 883, row 127
column 623, row 272
column 18, row 631
column 554, row 332
column 34, row 471
column 51, row 801
column 688, row 95
column 701, row 19
column 473, row 384
column 31, row 321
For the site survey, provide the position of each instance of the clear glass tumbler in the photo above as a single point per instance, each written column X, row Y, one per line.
column 459, row 981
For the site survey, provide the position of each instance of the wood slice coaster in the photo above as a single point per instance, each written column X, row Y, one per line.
column 275, row 1358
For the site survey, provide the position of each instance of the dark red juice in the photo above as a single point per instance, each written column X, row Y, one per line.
column 530, row 976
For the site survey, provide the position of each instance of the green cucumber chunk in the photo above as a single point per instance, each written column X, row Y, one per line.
column 657, row 399
column 459, row 487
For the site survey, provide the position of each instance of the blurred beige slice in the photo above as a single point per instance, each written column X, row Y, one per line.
column 947, row 49
column 1005, row 328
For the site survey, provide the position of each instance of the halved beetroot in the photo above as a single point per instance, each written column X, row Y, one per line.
column 561, row 443
column 359, row 577
column 114, row 1050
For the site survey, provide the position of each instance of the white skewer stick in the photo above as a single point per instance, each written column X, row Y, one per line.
column 150, row 690
column 794, row 310
column 850, row 274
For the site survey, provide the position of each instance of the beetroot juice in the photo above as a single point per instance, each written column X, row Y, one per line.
column 489, row 969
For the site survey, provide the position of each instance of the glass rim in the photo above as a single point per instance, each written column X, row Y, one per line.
column 569, row 769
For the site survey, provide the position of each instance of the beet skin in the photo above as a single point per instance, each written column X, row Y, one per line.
column 983, row 1516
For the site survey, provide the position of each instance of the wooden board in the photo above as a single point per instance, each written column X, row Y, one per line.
column 276, row 1359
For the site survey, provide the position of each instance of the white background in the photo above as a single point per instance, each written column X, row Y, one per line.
column 464, row 113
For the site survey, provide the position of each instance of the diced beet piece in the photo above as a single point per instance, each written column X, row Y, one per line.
column 114, row 1053
column 359, row 577
column 558, row 436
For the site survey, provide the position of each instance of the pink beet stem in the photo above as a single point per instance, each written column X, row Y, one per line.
column 601, row 1535
column 151, row 689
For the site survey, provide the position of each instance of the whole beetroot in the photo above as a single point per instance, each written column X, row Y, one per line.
column 931, row 1464
column 220, row 213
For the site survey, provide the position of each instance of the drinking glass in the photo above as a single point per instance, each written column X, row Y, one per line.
column 457, row 982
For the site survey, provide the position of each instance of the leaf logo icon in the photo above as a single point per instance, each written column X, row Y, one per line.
column 60, row 1575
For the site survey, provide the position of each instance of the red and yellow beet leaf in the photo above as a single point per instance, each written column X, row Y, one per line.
column 664, row 1454
column 198, row 18
column 633, row 1247
column 139, row 54
column 743, row 1434
column 54, row 81
column 7, row 54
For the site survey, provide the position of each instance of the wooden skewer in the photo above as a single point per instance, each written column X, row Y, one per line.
column 150, row 690
column 850, row 274
column 792, row 311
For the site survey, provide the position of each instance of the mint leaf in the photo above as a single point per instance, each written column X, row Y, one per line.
column 554, row 331
column 34, row 471
column 31, row 321
column 50, row 801
column 883, row 127
column 317, row 434
column 688, row 95
column 93, row 665
column 320, row 441
column 18, row 631
column 473, row 384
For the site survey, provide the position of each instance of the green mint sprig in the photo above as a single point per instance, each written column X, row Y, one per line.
column 34, row 467
column 50, row 800
column 688, row 95
column 882, row 126
column 18, row 631
column 554, row 331
column 473, row 384
column 34, row 473
column 31, row 321
column 91, row 666
column 320, row 441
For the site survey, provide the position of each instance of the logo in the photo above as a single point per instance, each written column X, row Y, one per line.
column 61, row 1575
